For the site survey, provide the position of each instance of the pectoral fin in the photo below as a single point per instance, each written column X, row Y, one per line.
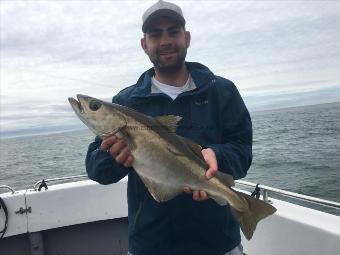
column 196, row 148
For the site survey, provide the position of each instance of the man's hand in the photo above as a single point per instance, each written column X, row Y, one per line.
column 118, row 149
column 210, row 158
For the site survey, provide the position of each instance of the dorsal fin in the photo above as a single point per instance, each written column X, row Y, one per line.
column 169, row 121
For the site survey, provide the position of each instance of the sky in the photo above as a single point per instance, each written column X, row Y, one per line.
column 278, row 53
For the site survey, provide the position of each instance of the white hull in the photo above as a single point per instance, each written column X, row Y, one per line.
column 292, row 230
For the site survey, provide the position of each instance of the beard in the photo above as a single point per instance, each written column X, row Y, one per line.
column 169, row 66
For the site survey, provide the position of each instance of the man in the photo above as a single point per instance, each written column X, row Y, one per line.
column 213, row 115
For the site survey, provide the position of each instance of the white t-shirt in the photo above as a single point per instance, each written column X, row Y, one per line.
column 171, row 91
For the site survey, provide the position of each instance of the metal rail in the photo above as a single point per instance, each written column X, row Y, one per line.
column 290, row 194
column 58, row 179
column 265, row 189
column 7, row 187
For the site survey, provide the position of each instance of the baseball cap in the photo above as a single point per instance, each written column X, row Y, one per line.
column 161, row 9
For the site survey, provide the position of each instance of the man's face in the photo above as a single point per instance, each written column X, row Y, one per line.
column 166, row 44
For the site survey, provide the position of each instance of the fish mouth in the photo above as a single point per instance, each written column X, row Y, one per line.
column 76, row 105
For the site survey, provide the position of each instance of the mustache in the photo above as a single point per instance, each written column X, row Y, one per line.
column 167, row 50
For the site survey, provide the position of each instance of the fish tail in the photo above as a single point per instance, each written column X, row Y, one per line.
column 258, row 210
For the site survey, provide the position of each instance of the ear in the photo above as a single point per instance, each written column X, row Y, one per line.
column 187, row 38
column 143, row 44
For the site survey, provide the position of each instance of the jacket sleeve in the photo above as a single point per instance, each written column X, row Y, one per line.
column 234, row 153
column 101, row 166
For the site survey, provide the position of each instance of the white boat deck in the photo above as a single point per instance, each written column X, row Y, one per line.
column 292, row 230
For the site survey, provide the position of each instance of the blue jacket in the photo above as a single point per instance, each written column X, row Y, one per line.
column 214, row 116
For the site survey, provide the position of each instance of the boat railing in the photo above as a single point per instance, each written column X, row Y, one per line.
column 265, row 189
column 7, row 187
column 258, row 188
column 43, row 183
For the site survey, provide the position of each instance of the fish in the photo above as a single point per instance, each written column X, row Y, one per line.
column 167, row 162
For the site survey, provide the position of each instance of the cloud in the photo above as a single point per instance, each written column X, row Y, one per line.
column 276, row 37
column 51, row 50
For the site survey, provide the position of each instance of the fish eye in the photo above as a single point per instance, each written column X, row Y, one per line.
column 95, row 105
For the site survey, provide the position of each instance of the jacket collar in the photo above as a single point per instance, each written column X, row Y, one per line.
column 200, row 74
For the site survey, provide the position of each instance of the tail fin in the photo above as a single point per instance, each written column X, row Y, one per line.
column 258, row 210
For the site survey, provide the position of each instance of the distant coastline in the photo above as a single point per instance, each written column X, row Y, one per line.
column 41, row 132
column 293, row 107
